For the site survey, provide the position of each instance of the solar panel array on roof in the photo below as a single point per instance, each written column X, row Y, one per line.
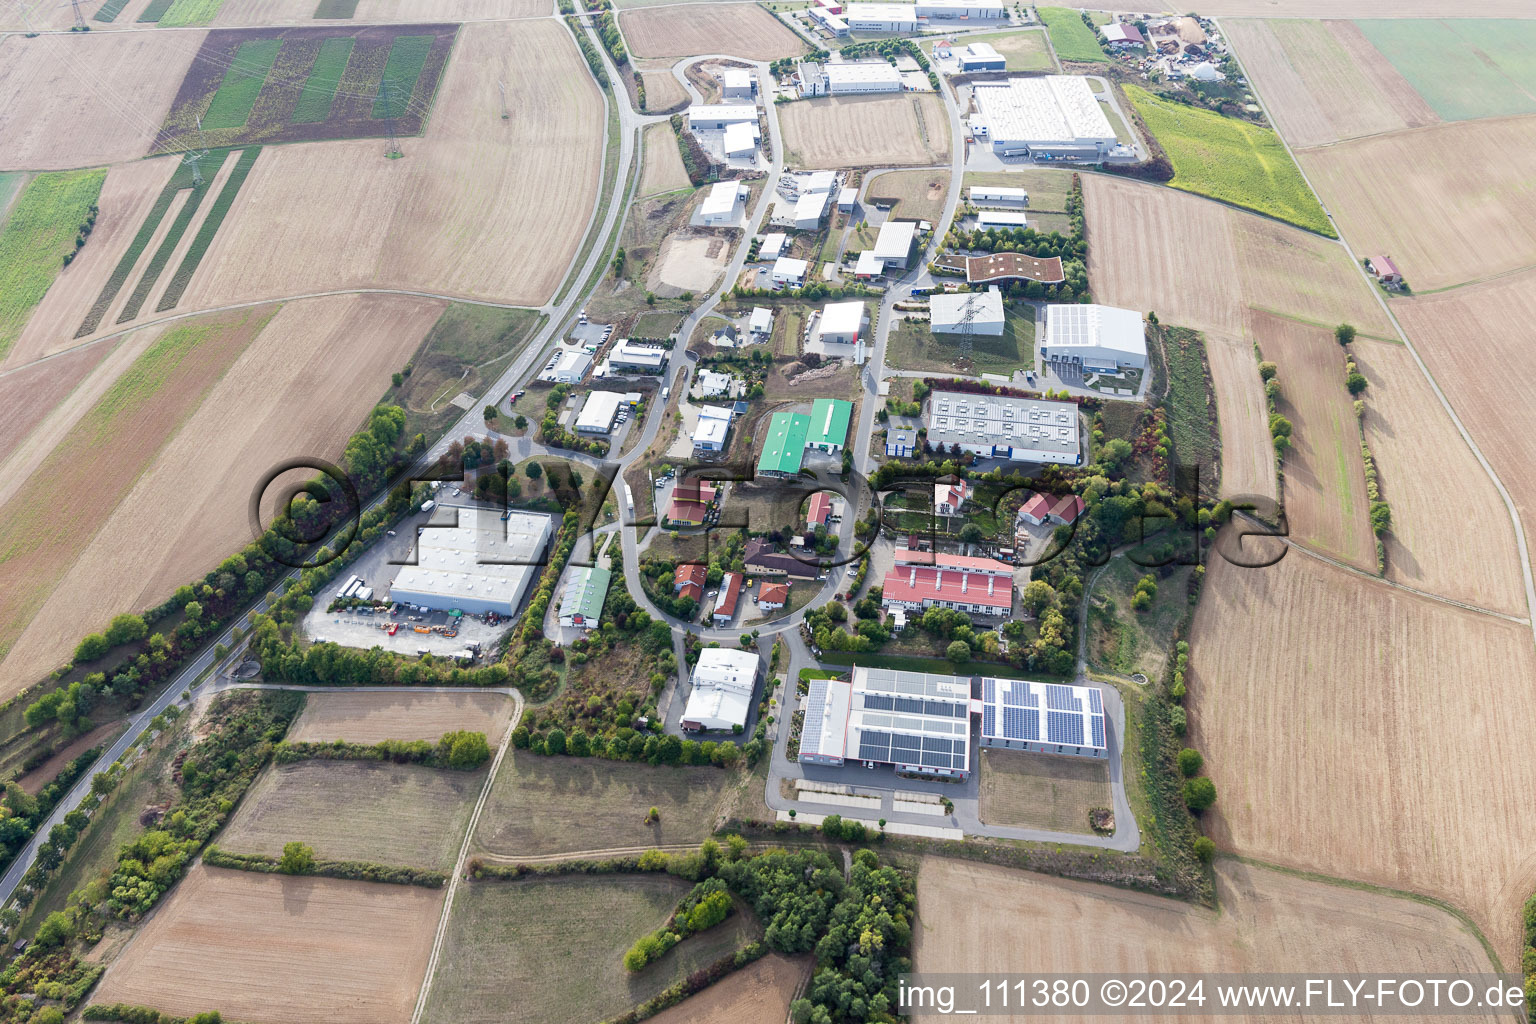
column 914, row 706
column 1098, row 730
column 925, row 751
column 1061, row 698
column 1062, row 727
column 1095, row 701
column 1073, row 716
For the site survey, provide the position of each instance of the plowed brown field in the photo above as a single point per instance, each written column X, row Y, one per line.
column 478, row 207
column 69, row 100
column 373, row 717
column 280, row 949
column 1470, row 555
column 1385, row 726
column 1450, row 203
column 865, row 131
column 1323, row 81
column 739, row 29
column 760, row 991
column 1268, row 921
column 1325, row 500
column 29, row 394
column 1462, row 335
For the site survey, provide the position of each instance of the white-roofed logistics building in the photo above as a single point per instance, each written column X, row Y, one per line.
column 598, row 411
column 628, row 355
column 841, row 322
column 741, row 138
column 1007, row 220
column 719, row 115
column 967, row 313
column 992, row 195
column 738, row 84
column 789, row 272
column 723, row 683
column 761, row 322
column 1046, row 718
column 480, row 565
column 1054, row 117
column 723, row 205
column 863, row 76
column 998, row 427
column 568, row 366
column 714, row 427
column 809, row 209
column 1100, row 339
column 946, row 10
column 880, row 17
column 893, row 246
column 981, row 57
column 773, row 245
column 912, row 721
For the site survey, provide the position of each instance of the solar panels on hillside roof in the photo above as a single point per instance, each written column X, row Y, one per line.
column 1072, row 716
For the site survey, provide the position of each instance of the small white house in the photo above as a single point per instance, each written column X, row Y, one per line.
column 846, row 197
column 788, row 272
column 761, row 324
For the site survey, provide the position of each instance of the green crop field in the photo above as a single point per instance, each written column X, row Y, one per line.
column 336, row 9
column 1464, row 68
column 1072, row 39
column 38, row 233
column 407, row 56
column 155, row 11
column 181, row 178
column 320, row 87
column 109, row 10
column 1231, row 160
column 190, row 12
column 231, row 106
column 208, row 229
column 162, row 256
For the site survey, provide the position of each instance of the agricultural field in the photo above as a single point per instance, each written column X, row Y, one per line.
column 1460, row 334
column 663, row 170
column 398, row 814
column 303, row 84
column 1199, row 264
column 1039, row 791
column 250, row 13
column 1464, row 68
column 280, row 949
column 1122, row 640
column 374, row 717
column 42, row 227
column 1323, row 81
column 1325, row 497
column 741, row 29
column 1026, row 50
column 1465, row 559
column 1181, row 367
column 663, row 91
column 1070, row 38
column 55, row 80
column 28, row 394
column 1377, row 188
column 919, row 195
column 759, row 991
column 240, row 405
column 1231, row 160
column 1242, row 414
column 1267, row 921
column 913, row 346
column 357, row 219
column 545, row 805
column 49, row 519
column 1357, row 676
column 182, row 13
column 865, row 131
column 465, row 351
column 550, row 951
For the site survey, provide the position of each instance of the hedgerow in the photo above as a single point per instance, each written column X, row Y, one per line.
column 356, row 870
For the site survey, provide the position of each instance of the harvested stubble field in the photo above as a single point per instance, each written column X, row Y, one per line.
column 1461, row 334
column 49, row 520
column 505, row 232
column 663, row 170
column 546, row 805
column 303, row 386
column 1242, row 413
column 1378, row 188
column 374, row 717
column 248, row 84
column 1323, row 81
column 663, row 91
column 41, row 228
column 761, row 991
column 57, row 80
column 1325, row 500
column 1374, row 691
column 919, row 195
column 28, row 394
column 865, row 131
column 1268, row 921
column 740, row 29
column 280, row 949
column 550, row 951
column 1463, row 67
column 1229, row 159
column 399, row 814
column 1470, row 557
column 1040, row 791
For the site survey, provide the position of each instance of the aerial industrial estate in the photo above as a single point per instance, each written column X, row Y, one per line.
column 732, row 511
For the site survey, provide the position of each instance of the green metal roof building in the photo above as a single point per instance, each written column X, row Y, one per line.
column 829, row 424
column 785, row 447
column 581, row 604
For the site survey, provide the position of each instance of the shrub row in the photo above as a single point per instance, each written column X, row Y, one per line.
column 706, row 905
column 357, row 870
column 594, row 62
column 129, row 1014
column 459, row 750
column 695, row 162
column 694, row 983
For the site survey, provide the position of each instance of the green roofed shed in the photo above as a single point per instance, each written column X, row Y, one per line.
column 785, row 447
column 829, row 424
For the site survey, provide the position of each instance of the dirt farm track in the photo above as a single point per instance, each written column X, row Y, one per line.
column 280, row 950
column 1268, row 921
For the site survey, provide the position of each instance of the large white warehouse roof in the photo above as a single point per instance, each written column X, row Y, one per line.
column 865, row 73
column 895, row 239
column 482, row 564
column 1052, row 109
column 1073, row 325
